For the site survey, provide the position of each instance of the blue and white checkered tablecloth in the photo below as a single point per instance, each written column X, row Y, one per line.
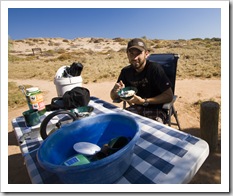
column 162, row 155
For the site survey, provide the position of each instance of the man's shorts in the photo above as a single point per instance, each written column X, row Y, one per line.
column 157, row 114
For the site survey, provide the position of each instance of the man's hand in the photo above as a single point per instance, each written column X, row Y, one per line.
column 136, row 100
column 118, row 86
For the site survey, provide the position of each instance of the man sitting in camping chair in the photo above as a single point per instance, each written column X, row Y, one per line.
column 152, row 84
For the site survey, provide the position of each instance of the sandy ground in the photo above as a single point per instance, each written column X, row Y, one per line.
column 189, row 92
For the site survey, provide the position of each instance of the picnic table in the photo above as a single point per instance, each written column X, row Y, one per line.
column 162, row 155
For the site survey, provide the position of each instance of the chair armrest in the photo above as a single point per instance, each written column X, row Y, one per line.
column 167, row 106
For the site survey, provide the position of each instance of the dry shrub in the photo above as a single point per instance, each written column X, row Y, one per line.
column 64, row 56
column 20, row 40
column 96, row 40
column 15, row 96
column 121, row 41
column 60, row 51
column 49, row 53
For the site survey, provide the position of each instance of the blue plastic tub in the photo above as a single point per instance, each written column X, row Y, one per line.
column 99, row 130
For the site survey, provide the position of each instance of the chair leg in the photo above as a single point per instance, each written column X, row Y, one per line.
column 169, row 117
column 124, row 104
column 176, row 117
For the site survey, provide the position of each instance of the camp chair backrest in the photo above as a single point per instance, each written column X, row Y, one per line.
column 169, row 64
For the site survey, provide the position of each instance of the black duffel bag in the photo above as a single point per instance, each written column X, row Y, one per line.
column 77, row 97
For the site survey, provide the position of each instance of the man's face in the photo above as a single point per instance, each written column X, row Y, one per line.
column 137, row 58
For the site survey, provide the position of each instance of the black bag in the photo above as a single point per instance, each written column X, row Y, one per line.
column 74, row 70
column 77, row 97
column 56, row 104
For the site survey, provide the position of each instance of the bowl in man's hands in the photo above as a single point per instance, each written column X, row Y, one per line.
column 127, row 93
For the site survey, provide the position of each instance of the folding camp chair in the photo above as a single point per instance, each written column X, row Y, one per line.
column 169, row 64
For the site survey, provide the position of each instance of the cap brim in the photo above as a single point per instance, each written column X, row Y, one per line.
column 137, row 47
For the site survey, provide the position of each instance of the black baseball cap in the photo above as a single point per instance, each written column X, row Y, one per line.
column 138, row 44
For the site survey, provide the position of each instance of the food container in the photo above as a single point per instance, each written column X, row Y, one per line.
column 64, row 84
column 127, row 93
column 35, row 99
column 98, row 130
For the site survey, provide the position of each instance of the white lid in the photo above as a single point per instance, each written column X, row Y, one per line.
column 60, row 71
column 32, row 89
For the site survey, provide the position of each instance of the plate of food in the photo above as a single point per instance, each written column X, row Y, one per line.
column 127, row 93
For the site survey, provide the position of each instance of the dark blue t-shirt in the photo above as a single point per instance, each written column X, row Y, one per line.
column 151, row 82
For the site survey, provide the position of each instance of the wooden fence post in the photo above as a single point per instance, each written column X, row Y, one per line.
column 209, row 116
